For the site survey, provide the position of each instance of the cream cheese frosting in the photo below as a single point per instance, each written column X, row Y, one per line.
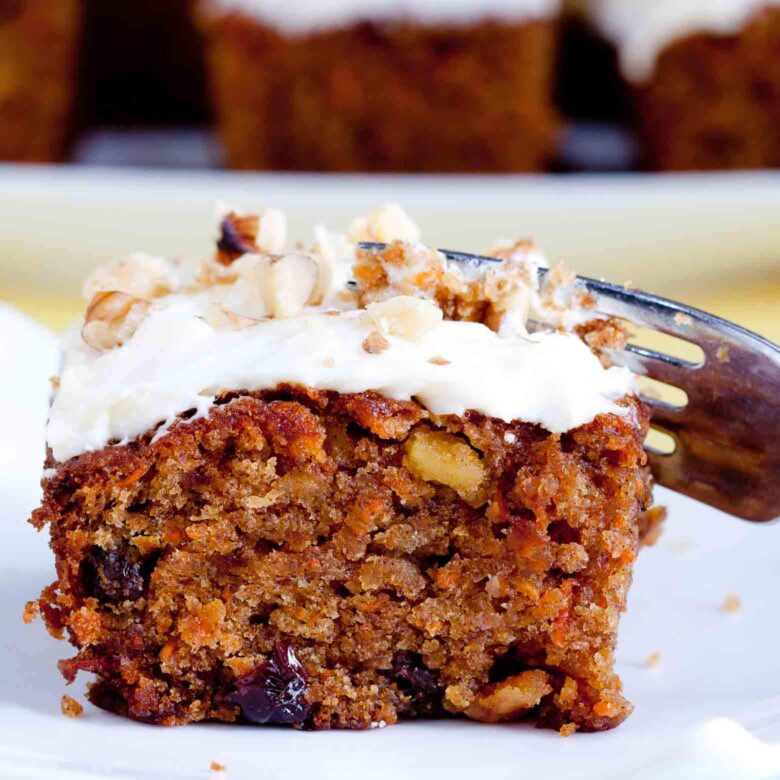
column 188, row 345
column 303, row 17
column 642, row 29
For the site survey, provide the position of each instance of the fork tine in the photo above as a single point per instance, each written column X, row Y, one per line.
column 668, row 415
column 727, row 445
column 658, row 365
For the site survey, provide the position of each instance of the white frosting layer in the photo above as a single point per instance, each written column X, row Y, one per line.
column 177, row 361
column 156, row 343
column 641, row 29
column 308, row 15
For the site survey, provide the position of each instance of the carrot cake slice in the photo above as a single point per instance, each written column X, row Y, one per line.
column 395, row 86
column 705, row 76
column 38, row 79
column 337, row 487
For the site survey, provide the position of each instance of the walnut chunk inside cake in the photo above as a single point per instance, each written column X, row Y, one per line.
column 273, row 523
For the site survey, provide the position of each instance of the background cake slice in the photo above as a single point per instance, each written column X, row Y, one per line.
column 277, row 499
column 362, row 86
column 705, row 77
column 38, row 77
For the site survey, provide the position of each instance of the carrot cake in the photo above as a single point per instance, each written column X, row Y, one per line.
column 705, row 76
column 38, row 59
column 334, row 487
column 396, row 86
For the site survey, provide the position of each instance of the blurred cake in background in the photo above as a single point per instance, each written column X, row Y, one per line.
column 38, row 55
column 143, row 63
column 705, row 77
column 438, row 85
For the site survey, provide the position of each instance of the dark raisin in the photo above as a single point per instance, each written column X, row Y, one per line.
column 111, row 576
column 419, row 682
column 274, row 692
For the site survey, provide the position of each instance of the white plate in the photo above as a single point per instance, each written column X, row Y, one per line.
column 710, row 709
column 658, row 231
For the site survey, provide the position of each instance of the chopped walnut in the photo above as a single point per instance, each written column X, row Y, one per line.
column 139, row 275
column 375, row 343
column 510, row 698
column 406, row 317
column 288, row 283
column 437, row 456
column 112, row 318
column 237, row 237
column 385, row 224
column 70, row 707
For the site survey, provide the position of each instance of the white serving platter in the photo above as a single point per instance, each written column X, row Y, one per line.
column 709, row 709
column 661, row 232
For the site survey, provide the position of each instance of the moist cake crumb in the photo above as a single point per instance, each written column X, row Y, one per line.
column 567, row 729
column 31, row 611
column 732, row 603
column 71, row 708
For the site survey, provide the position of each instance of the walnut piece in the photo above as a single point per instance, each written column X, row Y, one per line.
column 288, row 282
column 438, row 456
column 403, row 316
column 241, row 234
column 510, row 698
column 141, row 275
column 112, row 318
column 375, row 343
column 387, row 223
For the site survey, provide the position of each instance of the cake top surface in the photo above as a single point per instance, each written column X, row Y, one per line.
column 641, row 29
column 158, row 340
column 312, row 15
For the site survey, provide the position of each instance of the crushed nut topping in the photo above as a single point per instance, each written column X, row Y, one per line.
column 288, row 282
column 237, row 236
column 403, row 316
column 375, row 343
column 439, row 361
column 140, row 275
column 385, row 224
column 732, row 603
column 112, row 318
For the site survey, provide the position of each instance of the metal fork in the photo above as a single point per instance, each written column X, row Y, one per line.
column 727, row 437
